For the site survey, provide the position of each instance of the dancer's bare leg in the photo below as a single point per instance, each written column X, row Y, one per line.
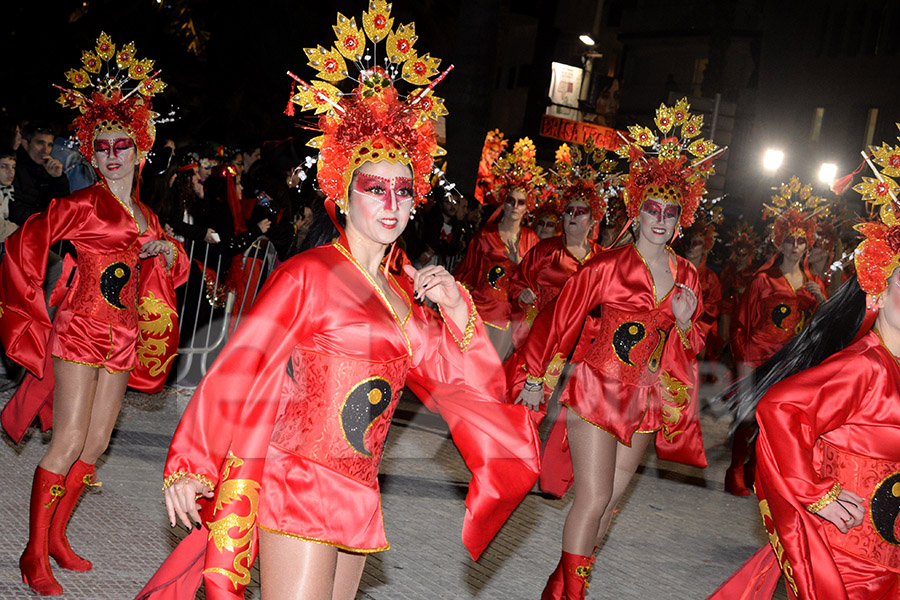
column 603, row 467
column 347, row 575
column 107, row 404
column 292, row 569
column 73, row 397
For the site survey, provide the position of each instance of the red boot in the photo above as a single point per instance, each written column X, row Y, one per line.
column 80, row 475
column 46, row 491
column 576, row 569
column 741, row 449
column 554, row 588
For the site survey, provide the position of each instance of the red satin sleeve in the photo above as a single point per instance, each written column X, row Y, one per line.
column 525, row 276
column 795, row 413
column 746, row 315
column 456, row 375
column 240, row 395
column 24, row 322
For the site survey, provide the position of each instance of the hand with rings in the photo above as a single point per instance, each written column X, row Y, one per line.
column 684, row 303
column 846, row 512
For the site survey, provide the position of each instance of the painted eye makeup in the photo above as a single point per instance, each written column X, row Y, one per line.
column 577, row 211
column 403, row 188
column 118, row 146
column 671, row 212
column 398, row 188
column 651, row 207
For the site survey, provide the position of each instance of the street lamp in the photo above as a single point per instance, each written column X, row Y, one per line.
column 772, row 159
column 827, row 172
column 586, row 39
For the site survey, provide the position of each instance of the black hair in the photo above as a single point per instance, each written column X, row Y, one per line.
column 32, row 128
column 322, row 231
column 7, row 152
column 831, row 329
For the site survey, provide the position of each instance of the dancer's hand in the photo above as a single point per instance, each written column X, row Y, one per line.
column 816, row 290
column 181, row 501
column 531, row 399
column 684, row 303
column 155, row 247
column 846, row 512
column 435, row 283
column 527, row 296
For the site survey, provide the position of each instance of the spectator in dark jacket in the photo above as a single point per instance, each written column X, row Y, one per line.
column 39, row 177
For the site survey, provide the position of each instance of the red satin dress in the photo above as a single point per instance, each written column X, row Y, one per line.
column 289, row 424
column 769, row 314
column 834, row 426
column 544, row 270
column 633, row 372
column 116, row 311
column 712, row 307
column 487, row 271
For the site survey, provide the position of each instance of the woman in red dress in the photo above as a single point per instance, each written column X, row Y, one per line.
column 696, row 243
column 777, row 305
column 636, row 360
column 828, row 450
column 125, row 264
column 495, row 252
column 285, row 433
column 546, row 268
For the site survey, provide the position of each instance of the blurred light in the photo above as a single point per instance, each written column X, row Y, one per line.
column 772, row 159
column 827, row 172
column 586, row 39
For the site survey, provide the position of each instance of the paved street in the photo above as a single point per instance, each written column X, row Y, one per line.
column 677, row 534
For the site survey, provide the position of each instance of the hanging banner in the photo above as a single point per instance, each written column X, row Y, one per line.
column 577, row 132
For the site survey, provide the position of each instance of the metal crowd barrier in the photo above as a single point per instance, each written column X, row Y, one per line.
column 209, row 332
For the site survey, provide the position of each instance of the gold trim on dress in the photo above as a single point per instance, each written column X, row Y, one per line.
column 470, row 323
column 179, row 475
column 825, row 500
column 304, row 538
column 94, row 365
column 604, row 429
column 380, row 293
column 672, row 263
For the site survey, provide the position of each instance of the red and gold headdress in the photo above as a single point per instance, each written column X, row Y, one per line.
column 796, row 212
column 706, row 219
column 678, row 171
column 744, row 240
column 518, row 170
column 584, row 174
column 494, row 145
column 878, row 254
column 108, row 106
column 373, row 122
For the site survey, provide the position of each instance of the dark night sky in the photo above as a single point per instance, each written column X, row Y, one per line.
column 236, row 87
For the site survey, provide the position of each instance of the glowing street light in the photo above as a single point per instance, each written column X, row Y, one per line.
column 827, row 172
column 586, row 39
column 772, row 159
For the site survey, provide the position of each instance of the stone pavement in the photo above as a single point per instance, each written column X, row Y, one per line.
column 677, row 534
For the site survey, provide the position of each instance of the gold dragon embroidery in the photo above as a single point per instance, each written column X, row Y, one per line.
column 675, row 398
column 231, row 491
column 152, row 343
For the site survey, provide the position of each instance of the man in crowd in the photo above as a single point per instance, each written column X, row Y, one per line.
column 39, row 177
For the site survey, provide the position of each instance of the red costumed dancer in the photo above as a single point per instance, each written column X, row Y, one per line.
column 737, row 274
column 116, row 322
column 697, row 241
column 494, row 145
column 635, row 363
column 546, row 268
column 828, row 470
column 284, row 434
column 778, row 303
column 495, row 251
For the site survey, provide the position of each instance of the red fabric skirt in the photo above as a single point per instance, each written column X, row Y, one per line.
column 618, row 408
column 88, row 341
column 306, row 500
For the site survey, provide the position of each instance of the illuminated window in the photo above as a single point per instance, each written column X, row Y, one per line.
column 871, row 121
column 817, row 124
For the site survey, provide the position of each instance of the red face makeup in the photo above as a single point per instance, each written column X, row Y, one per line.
column 118, row 146
column 655, row 209
column 517, row 202
column 391, row 192
column 577, row 211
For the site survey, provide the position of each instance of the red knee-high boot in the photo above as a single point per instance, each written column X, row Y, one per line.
column 576, row 569
column 46, row 491
column 80, row 475
column 740, row 450
column 554, row 588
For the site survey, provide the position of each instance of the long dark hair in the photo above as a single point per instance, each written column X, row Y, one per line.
column 831, row 329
